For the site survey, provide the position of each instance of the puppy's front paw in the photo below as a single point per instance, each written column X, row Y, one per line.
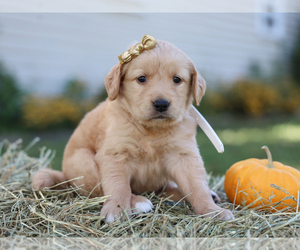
column 226, row 215
column 142, row 204
column 221, row 214
column 112, row 209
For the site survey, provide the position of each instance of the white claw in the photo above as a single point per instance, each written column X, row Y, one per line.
column 144, row 207
column 110, row 218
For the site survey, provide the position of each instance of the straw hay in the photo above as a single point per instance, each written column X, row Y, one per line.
column 48, row 213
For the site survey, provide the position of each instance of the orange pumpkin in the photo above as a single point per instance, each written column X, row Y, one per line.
column 247, row 180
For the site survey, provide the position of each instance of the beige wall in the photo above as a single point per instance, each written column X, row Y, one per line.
column 45, row 50
column 211, row 6
column 127, row 5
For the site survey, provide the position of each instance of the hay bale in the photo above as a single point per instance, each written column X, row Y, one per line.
column 52, row 213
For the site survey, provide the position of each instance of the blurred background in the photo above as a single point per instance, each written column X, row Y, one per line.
column 53, row 65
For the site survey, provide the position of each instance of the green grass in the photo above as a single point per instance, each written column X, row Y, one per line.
column 55, row 140
column 242, row 137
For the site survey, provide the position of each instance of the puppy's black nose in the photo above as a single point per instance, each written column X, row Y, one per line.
column 161, row 105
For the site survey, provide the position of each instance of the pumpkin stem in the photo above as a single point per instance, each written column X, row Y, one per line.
column 270, row 161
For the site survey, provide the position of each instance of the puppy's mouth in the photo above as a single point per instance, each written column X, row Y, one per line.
column 161, row 116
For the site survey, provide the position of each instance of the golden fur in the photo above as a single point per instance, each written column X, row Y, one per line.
column 129, row 147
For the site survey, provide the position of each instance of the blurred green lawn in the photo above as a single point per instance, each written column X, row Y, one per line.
column 242, row 137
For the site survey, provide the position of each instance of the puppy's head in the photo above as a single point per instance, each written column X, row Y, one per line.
column 158, row 86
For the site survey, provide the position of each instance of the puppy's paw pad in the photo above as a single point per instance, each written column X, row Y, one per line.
column 215, row 197
column 144, row 207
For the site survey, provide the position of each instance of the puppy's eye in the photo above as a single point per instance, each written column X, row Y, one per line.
column 176, row 79
column 141, row 79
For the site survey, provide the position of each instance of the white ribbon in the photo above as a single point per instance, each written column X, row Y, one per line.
column 208, row 130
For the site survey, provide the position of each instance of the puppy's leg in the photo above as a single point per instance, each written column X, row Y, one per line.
column 81, row 163
column 189, row 173
column 115, row 173
column 46, row 178
column 173, row 190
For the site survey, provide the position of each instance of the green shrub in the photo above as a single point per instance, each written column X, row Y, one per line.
column 54, row 112
column 101, row 95
column 290, row 96
column 64, row 111
column 214, row 102
column 10, row 99
column 295, row 61
column 253, row 98
column 75, row 90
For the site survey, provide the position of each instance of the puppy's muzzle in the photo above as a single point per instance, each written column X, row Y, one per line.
column 161, row 105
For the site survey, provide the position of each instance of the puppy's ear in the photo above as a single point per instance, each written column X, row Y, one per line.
column 198, row 86
column 113, row 81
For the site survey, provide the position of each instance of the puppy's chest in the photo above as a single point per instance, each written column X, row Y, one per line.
column 147, row 165
column 151, row 149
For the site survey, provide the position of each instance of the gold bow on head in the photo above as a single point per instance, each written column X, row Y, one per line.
column 148, row 42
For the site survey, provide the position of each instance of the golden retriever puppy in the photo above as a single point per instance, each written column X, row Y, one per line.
column 141, row 138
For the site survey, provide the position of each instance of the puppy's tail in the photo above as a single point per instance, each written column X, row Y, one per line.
column 47, row 178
